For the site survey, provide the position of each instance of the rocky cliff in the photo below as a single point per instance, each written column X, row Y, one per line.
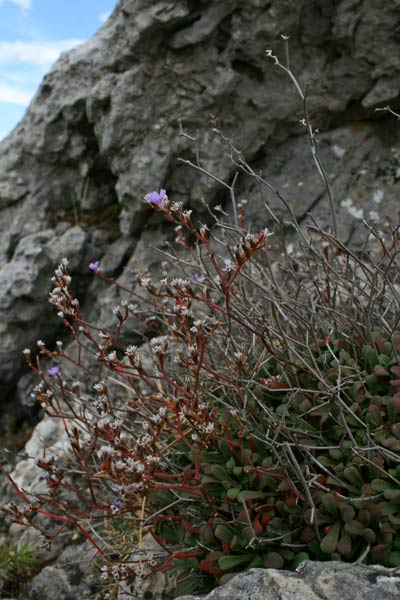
column 103, row 130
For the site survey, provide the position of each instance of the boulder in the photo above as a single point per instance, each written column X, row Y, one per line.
column 311, row 581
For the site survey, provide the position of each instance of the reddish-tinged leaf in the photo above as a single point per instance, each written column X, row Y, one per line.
column 344, row 544
column 257, row 526
column 266, row 518
column 210, row 566
column 273, row 560
column 396, row 384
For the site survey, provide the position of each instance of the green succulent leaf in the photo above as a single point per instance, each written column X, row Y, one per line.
column 380, row 485
column 394, row 559
column 232, row 493
column 352, row 474
column 330, row 541
column 347, row 512
column 224, row 533
column 330, row 504
column 226, row 563
column 344, row 545
column 354, row 528
column 392, row 494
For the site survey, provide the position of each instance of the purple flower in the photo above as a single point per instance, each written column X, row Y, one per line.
column 156, row 197
column 54, row 370
column 195, row 277
column 116, row 506
column 93, row 266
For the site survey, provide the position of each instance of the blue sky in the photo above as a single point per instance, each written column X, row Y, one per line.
column 32, row 35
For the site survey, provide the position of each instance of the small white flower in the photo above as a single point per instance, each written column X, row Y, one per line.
column 159, row 344
column 356, row 213
column 209, row 428
column 64, row 262
column 104, row 451
column 26, row 352
column 153, row 459
column 229, row 265
column 60, row 314
column 373, row 216
column 183, row 310
column 377, row 196
column 40, row 343
column 130, row 350
column 104, row 421
column 137, row 361
column 179, row 283
column 112, row 356
column 176, row 206
column 144, row 440
column 145, row 281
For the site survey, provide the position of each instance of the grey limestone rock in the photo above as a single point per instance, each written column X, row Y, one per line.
column 311, row 581
column 73, row 576
column 102, row 131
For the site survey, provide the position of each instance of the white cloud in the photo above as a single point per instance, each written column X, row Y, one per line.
column 104, row 16
column 25, row 4
column 14, row 95
column 35, row 53
column 2, row 134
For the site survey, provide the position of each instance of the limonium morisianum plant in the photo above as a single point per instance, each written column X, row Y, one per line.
column 243, row 411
